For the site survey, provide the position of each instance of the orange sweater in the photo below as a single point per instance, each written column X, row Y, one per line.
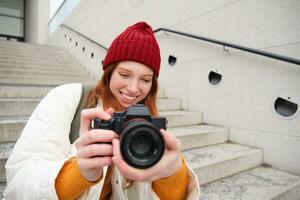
column 70, row 184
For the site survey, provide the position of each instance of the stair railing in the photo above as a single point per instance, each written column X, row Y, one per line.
column 222, row 43
column 235, row 46
column 89, row 39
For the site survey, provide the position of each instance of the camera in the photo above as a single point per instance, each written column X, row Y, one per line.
column 141, row 143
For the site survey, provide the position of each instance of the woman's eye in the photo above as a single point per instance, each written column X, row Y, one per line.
column 147, row 80
column 123, row 74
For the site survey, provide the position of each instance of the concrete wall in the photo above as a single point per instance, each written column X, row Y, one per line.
column 87, row 53
column 36, row 21
column 244, row 100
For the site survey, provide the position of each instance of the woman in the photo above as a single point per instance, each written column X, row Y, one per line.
column 44, row 165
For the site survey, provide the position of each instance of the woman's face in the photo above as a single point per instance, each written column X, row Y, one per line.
column 131, row 82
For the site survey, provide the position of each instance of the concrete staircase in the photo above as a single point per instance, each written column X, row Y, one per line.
column 225, row 170
column 27, row 73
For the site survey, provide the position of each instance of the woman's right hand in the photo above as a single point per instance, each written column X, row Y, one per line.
column 93, row 150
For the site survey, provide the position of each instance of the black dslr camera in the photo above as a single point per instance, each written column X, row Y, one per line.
column 141, row 143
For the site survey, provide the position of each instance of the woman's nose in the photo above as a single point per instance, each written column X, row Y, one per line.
column 133, row 87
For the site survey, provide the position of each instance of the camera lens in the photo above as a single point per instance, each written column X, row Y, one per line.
column 142, row 145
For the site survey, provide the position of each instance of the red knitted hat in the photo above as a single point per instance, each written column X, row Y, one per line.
column 136, row 43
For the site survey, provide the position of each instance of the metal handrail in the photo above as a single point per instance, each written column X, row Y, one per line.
column 93, row 41
column 235, row 46
column 224, row 44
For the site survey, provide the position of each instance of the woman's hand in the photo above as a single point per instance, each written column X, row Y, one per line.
column 93, row 152
column 169, row 164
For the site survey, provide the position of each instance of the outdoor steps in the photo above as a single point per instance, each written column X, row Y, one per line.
column 32, row 91
column 27, row 73
column 37, row 65
column 41, row 73
column 260, row 183
column 42, row 81
column 165, row 104
column 2, row 188
column 52, row 59
column 206, row 147
column 11, row 127
column 208, row 154
column 25, row 106
column 218, row 161
column 43, row 55
column 28, row 48
column 199, row 135
column 209, row 163
column 24, row 91
column 49, row 71
column 8, row 75
column 5, row 150
column 181, row 118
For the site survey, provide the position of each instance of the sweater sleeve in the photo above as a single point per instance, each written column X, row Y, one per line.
column 173, row 187
column 70, row 184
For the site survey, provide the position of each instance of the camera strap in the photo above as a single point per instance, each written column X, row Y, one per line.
column 75, row 125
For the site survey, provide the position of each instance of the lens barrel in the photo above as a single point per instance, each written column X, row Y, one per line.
column 142, row 145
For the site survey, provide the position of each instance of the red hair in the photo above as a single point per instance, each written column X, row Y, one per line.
column 102, row 92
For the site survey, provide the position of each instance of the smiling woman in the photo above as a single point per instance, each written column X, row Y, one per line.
column 97, row 170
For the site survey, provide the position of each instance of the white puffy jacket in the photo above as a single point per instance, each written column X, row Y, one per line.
column 44, row 146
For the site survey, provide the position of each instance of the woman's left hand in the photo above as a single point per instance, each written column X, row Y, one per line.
column 169, row 164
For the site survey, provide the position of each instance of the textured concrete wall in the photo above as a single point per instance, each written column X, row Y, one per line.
column 244, row 100
column 87, row 53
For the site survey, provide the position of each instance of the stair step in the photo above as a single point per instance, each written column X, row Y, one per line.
column 46, row 50
column 2, row 188
column 41, row 81
column 24, row 91
column 182, row 118
column 199, row 136
column 160, row 93
column 218, row 161
column 5, row 150
column 28, row 47
column 40, row 64
column 168, row 104
column 11, row 127
column 43, row 75
column 13, row 107
column 41, row 71
column 25, row 106
column 55, row 58
column 260, row 183
column 29, row 51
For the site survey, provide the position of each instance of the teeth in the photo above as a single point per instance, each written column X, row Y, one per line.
column 128, row 97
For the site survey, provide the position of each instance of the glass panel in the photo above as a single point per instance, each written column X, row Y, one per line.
column 64, row 11
column 54, row 5
column 11, row 26
column 12, row 8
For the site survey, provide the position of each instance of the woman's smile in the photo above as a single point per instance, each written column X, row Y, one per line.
column 128, row 98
